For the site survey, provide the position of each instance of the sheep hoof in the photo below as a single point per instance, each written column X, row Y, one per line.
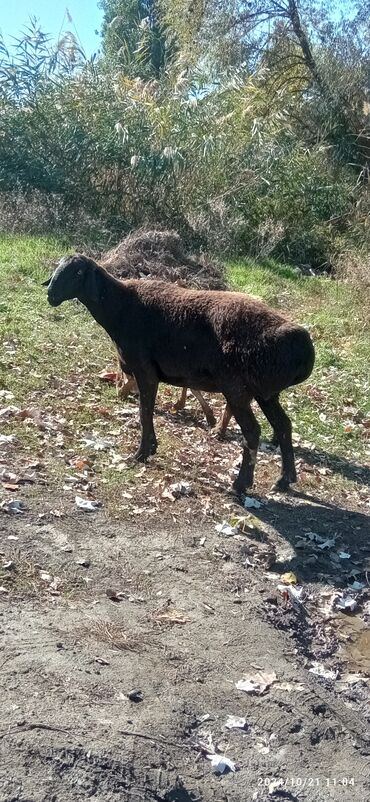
column 236, row 495
column 282, row 485
column 141, row 456
column 239, row 488
column 144, row 453
column 211, row 420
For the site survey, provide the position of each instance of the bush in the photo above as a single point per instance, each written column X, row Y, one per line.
column 88, row 144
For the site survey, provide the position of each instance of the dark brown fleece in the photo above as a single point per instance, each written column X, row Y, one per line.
column 198, row 338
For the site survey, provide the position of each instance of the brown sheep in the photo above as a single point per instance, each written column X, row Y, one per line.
column 222, row 342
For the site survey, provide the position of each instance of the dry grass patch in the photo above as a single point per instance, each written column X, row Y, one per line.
column 162, row 255
column 24, row 578
column 169, row 616
column 114, row 635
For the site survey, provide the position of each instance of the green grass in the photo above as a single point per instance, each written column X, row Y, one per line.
column 50, row 360
column 44, row 344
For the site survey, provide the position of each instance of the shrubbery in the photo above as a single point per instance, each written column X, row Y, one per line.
column 211, row 159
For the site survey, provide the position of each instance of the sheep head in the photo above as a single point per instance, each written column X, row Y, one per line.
column 73, row 278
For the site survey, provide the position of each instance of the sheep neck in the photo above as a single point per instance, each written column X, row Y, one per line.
column 110, row 302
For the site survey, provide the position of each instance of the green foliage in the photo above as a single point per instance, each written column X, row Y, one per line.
column 242, row 160
column 31, row 65
column 134, row 37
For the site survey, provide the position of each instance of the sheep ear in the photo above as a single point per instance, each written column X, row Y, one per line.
column 46, row 283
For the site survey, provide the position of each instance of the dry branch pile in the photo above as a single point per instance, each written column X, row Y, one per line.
column 161, row 254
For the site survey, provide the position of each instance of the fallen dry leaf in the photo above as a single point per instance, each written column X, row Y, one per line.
column 235, row 723
column 12, row 506
column 289, row 578
column 109, row 376
column 221, row 764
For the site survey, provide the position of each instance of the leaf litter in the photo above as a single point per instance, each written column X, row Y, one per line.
column 170, row 616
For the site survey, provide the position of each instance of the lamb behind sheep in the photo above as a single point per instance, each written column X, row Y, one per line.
column 213, row 341
column 126, row 385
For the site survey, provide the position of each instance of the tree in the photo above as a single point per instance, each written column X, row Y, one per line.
column 134, row 37
column 320, row 62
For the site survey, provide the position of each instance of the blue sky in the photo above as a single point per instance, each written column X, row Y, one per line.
column 86, row 16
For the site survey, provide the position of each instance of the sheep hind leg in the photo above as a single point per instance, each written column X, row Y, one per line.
column 181, row 401
column 223, row 422
column 210, row 418
column 282, row 427
column 147, row 396
column 251, row 431
column 125, row 388
column 180, row 404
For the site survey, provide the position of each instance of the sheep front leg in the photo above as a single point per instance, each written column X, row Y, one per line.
column 282, row 427
column 147, row 395
column 239, row 405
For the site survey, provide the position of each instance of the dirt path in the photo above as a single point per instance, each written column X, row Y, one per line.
column 194, row 613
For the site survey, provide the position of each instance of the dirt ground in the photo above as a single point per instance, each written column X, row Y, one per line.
column 122, row 643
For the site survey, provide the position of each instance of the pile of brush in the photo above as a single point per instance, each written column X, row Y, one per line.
column 161, row 255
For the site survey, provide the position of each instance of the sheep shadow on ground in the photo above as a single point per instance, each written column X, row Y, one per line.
column 295, row 515
column 340, row 465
